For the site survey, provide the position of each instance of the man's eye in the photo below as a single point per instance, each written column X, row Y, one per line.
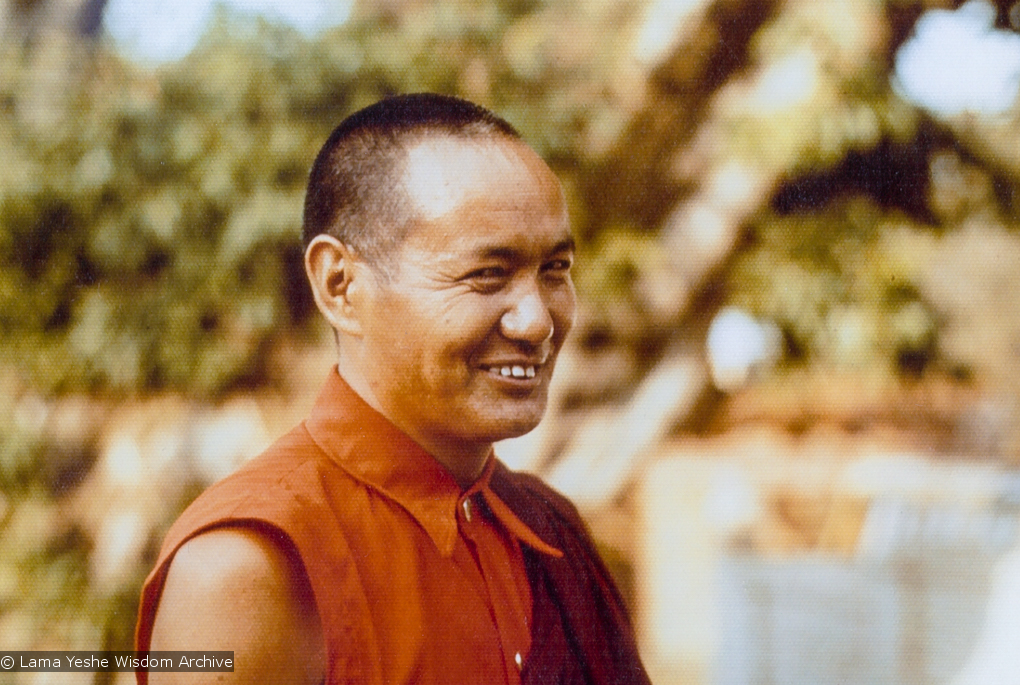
column 557, row 267
column 490, row 279
column 489, row 273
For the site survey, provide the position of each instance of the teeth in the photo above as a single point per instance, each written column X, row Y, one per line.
column 514, row 371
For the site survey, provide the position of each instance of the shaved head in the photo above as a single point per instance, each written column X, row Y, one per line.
column 356, row 189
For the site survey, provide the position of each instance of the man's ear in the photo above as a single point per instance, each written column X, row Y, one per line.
column 331, row 267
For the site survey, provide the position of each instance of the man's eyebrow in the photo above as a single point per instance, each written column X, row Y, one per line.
column 511, row 254
column 567, row 245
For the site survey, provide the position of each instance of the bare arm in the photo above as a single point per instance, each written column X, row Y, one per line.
column 232, row 589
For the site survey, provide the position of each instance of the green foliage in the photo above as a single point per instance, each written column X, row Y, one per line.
column 627, row 278
column 840, row 295
column 150, row 248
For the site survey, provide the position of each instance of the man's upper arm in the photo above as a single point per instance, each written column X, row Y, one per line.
column 233, row 589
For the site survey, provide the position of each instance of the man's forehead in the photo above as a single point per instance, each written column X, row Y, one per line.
column 442, row 172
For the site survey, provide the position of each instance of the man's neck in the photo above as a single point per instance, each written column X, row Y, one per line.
column 465, row 462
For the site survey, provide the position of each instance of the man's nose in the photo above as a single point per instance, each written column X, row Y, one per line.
column 528, row 319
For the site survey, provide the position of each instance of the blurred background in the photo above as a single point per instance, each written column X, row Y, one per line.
column 789, row 411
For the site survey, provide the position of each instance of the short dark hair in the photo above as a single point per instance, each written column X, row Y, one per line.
column 354, row 191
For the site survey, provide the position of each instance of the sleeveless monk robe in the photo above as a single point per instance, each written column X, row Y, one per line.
column 414, row 580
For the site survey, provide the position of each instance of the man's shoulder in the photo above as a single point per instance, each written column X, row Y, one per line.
column 238, row 589
column 225, row 556
column 273, row 487
column 289, row 453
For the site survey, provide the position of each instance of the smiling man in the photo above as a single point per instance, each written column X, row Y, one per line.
column 381, row 541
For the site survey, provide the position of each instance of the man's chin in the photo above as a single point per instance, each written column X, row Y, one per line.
column 516, row 432
column 512, row 425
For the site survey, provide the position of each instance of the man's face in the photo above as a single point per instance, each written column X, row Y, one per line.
column 459, row 340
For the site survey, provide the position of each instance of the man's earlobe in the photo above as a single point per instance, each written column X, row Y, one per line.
column 329, row 265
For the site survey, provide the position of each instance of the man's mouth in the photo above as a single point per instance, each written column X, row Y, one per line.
column 513, row 371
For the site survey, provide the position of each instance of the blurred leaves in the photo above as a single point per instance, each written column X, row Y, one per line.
column 841, row 299
column 148, row 250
